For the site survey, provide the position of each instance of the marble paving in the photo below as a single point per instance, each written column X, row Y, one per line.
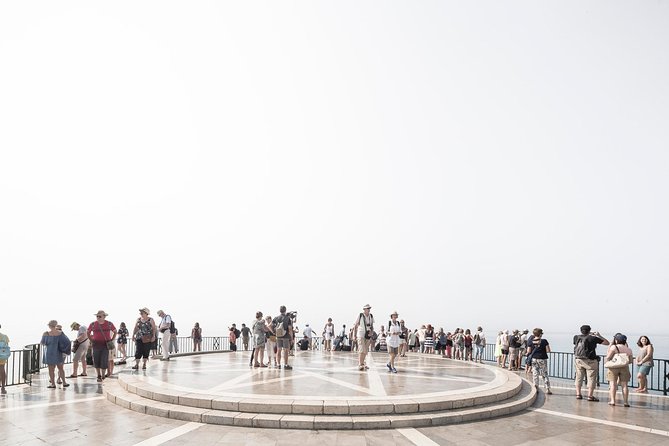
column 80, row 415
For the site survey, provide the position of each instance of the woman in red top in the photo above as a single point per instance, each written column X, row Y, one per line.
column 100, row 333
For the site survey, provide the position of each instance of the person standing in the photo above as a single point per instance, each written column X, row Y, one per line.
column 328, row 335
column 57, row 346
column 364, row 327
column 585, row 360
column 270, row 342
column 4, row 342
column 246, row 333
column 79, row 349
column 174, row 339
column 102, row 334
column 259, row 339
column 196, row 334
column 232, row 336
column 479, row 344
column 283, row 327
column 537, row 355
column 309, row 333
column 393, row 341
column 144, row 334
column 403, row 339
column 164, row 327
column 122, row 342
column 645, row 362
column 619, row 376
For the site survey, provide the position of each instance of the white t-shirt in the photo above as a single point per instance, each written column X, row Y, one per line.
column 307, row 332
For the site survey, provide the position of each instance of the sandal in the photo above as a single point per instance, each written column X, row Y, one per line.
column 99, row 379
column 72, row 376
column 592, row 398
column 83, row 374
column 135, row 367
column 66, row 385
column 626, row 405
column 51, row 386
column 579, row 397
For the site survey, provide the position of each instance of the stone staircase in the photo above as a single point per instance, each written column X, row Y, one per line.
column 131, row 392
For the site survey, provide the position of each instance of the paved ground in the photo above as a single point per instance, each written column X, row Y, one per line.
column 81, row 415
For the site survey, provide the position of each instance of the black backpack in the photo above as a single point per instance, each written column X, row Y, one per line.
column 172, row 328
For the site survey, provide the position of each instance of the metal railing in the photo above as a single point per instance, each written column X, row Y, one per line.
column 23, row 363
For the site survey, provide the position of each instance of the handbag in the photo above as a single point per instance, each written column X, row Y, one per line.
column 618, row 361
column 75, row 346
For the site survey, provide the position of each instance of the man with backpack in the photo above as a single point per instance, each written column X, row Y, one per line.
column 586, row 360
column 479, row 345
column 283, row 327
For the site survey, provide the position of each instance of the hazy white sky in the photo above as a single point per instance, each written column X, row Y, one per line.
column 463, row 163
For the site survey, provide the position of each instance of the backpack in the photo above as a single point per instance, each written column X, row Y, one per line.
column 579, row 348
column 172, row 328
column 281, row 328
column 237, row 333
column 5, row 351
column 477, row 339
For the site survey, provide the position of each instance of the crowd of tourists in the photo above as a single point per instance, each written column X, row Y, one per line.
column 273, row 340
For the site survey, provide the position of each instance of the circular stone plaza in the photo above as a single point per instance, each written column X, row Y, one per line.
column 216, row 398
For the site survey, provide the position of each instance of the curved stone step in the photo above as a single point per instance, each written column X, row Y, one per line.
column 518, row 402
column 393, row 405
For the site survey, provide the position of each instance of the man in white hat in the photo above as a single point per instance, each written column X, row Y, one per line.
column 363, row 328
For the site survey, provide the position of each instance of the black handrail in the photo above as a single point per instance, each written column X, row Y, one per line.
column 23, row 363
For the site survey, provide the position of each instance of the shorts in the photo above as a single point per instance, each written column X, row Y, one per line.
column 100, row 358
column 645, row 369
column 283, row 343
column 620, row 375
column 587, row 367
column 364, row 344
column 505, row 351
column 393, row 350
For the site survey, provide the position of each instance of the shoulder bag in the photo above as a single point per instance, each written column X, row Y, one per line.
column 618, row 361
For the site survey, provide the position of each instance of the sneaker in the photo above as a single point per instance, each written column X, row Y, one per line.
column 135, row 367
column 361, row 368
column 390, row 369
column 287, row 367
column 59, row 381
column 394, row 370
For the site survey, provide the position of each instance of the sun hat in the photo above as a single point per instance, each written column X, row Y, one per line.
column 366, row 306
column 74, row 325
column 394, row 313
column 145, row 310
column 101, row 312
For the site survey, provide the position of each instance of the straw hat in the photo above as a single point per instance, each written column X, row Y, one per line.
column 367, row 306
column 145, row 310
column 394, row 313
column 75, row 325
column 101, row 312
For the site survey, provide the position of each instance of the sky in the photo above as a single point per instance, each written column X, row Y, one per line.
column 463, row 163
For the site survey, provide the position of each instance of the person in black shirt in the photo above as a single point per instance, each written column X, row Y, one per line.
column 586, row 360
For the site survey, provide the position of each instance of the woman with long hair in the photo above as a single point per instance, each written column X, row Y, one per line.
column 645, row 362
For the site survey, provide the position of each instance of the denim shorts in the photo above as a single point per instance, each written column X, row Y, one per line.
column 645, row 369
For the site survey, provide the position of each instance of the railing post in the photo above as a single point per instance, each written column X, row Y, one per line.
column 666, row 376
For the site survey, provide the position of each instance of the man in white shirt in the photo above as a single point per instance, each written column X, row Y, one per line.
column 309, row 333
column 164, row 328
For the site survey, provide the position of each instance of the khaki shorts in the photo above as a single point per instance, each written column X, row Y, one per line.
column 621, row 375
column 586, row 367
column 363, row 344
